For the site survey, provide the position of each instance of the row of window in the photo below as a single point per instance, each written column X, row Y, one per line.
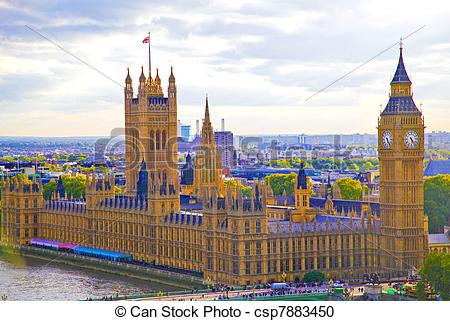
column 26, row 203
column 158, row 139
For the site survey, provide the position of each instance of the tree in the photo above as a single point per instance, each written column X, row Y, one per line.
column 49, row 189
column 436, row 271
column 313, row 276
column 421, row 294
column 8, row 159
column 246, row 190
column 437, row 202
column 23, row 177
column 104, row 169
column 367, row 166
column 75, row 187
column 350, row 189
column 282, row 182
column 280, row 163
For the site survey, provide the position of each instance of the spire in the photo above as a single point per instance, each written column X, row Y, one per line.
column 400, row 76
column 207, row 130
column 128, row 78
column 301, row 178
column 142, row 76
column 171, row 77
column 157, row 79
column 401, row 100
column 206, row 120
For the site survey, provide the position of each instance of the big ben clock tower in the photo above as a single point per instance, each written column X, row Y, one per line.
column 401, row 152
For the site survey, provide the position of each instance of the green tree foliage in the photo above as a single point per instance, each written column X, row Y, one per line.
column 280, row 163
column 350, row 189
column 49, row 189
column 104, row 169
column 421, row 294
column 8, row 159
column 437, row 202
column 313, row 276
column 246, row 190
column 320, row 163
column 282, row 182
column 75, row 187
column 86, row 169
column 367, row 166
column 23, row 177
column 436, row 271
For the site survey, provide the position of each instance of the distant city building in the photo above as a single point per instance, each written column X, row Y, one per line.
column 224, row 142
column 438, row 140
column 186, row 131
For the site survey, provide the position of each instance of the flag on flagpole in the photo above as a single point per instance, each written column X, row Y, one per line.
column 146, row 40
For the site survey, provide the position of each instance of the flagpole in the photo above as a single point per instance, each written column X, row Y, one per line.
column 149, row 58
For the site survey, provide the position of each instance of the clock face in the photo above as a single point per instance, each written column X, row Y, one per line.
column 386, row 139
column 411, row 139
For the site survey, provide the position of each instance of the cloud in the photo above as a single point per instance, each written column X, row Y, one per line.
column 258, row 61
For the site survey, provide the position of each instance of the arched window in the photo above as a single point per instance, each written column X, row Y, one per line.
column 158, row 142
column 163, row 138
column 164, row 179
column 247, row 227
column 152, row 140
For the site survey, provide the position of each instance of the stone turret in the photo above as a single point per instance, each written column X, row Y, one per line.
column 22, row 203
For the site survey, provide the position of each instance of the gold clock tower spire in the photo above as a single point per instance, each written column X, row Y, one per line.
column 401, row 152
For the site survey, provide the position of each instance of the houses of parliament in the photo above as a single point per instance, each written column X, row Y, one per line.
column 218, row 232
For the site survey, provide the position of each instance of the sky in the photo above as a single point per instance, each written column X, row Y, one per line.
column 258, row 61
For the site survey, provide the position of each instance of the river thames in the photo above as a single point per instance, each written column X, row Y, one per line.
column 23, row 278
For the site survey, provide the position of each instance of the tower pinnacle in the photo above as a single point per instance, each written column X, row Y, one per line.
column 128, row 78
column 401, row 98
column 206, row 120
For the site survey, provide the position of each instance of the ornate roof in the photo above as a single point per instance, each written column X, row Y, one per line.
column 398, row 105
column 400, row 76
column 401, row 100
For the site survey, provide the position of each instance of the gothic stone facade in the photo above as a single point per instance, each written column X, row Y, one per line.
column 230, row 238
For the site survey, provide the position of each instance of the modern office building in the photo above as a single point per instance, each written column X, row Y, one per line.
column 224, row 143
